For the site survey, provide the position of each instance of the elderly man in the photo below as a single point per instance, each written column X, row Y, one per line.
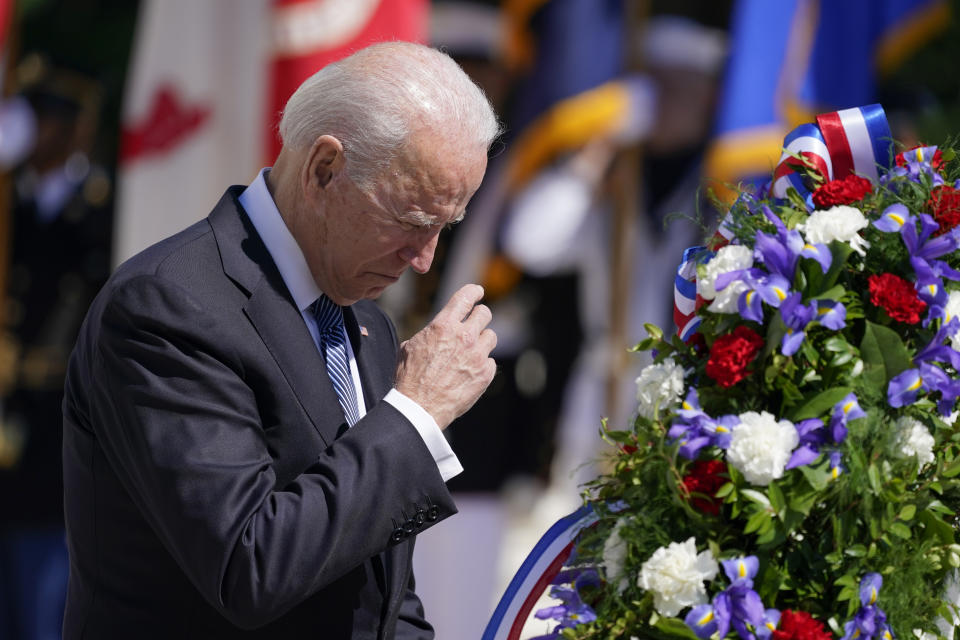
column 248, row 452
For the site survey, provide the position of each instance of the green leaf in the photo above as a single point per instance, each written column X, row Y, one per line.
column 757, row 497
column 834, row 293
column 873, row 475
column 820, row 403
column 951, row 469
column 818, row 479
column 725, row 490
column 777, row 501
column 653, row 331
column 676, row 628
column 908, row 511
column 937, row 526
column 755, row 521
column 900, row 530
column 884, row 355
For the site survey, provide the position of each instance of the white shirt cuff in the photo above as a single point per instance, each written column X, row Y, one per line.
column 447, row 462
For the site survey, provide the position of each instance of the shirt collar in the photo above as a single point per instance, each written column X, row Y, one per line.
column 286, row 253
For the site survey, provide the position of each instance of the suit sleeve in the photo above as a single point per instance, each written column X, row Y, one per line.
column 181, row 430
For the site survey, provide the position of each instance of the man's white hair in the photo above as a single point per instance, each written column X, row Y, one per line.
column 374, row 99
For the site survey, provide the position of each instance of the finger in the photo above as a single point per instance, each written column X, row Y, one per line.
column 479, row 317
column 487, row 340
column 461, row 303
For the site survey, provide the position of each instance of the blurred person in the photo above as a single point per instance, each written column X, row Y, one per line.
column 61, row 214
column 562, row 223
column 248, row 451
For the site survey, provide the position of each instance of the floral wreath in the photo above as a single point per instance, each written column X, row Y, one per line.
column 793, row 470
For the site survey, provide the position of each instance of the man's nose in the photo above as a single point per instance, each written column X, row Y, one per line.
column 420, row 257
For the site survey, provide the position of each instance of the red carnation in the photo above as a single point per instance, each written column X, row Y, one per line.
column 731, row 354
column 706, row 477
column 800, row 625
column 944, row 202
column 936, row 163
column 897, row 297
column 843, row 191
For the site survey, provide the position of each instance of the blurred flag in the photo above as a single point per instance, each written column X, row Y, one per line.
column 6, row 19
column 206, row 84
column 792, row 59
column 568, row 52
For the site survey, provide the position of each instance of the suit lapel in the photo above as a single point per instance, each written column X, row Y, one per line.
column 374, row 350
column 276, row 318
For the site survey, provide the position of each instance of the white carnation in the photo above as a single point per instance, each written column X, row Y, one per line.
column 914, row 439
column 729, row 258
column 615, row 556
column 760, row 447
column 659, row 386
column 675, row 575
column 841, row 223
column 952, row 309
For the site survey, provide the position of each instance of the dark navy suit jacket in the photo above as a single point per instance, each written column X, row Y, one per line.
column 212, row 488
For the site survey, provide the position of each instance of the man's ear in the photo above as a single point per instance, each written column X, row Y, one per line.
column 324, row 161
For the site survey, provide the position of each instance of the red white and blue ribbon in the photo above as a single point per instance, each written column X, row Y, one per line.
column 851, row 141
column 535, row 574
column 854, row 140
column 685, row 294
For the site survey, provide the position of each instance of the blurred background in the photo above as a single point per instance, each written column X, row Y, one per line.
column 627, row 124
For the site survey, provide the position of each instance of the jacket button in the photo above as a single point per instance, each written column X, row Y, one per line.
column 418, row 517
column 433, row 513
column 408, row 527
column 398, row 535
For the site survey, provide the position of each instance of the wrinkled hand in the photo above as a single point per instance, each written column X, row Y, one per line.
column 447, row 365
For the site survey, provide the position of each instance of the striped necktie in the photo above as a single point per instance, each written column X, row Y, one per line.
column 333, row 345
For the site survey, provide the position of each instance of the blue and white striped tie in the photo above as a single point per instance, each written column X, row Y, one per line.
column 333, row 345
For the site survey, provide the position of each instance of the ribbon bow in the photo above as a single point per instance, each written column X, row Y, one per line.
column 843, row 142
column 854, row 140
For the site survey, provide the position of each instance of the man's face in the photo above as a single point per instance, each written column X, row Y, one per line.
column 362, row 242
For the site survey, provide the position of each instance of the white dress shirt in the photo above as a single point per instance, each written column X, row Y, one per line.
column 286, row 254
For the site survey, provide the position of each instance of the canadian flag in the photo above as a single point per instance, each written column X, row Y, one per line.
column 207, row 83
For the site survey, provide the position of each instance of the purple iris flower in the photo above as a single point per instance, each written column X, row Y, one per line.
column 836, row 468
column 894, row 218
column 913, row 171
column 701, row 431
column 569, row 613
column 933, row 293
column 818, row 252
column 937, row 350
column 844, row 411
column 796, row 316
column 870, row 621
column 812, row 436
column 696, row 430
column 771, row 618
column 737, row 605
column 905, row 387
column 779, row 254
column 704, row 622
column 832, row 315
column 924, row 250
